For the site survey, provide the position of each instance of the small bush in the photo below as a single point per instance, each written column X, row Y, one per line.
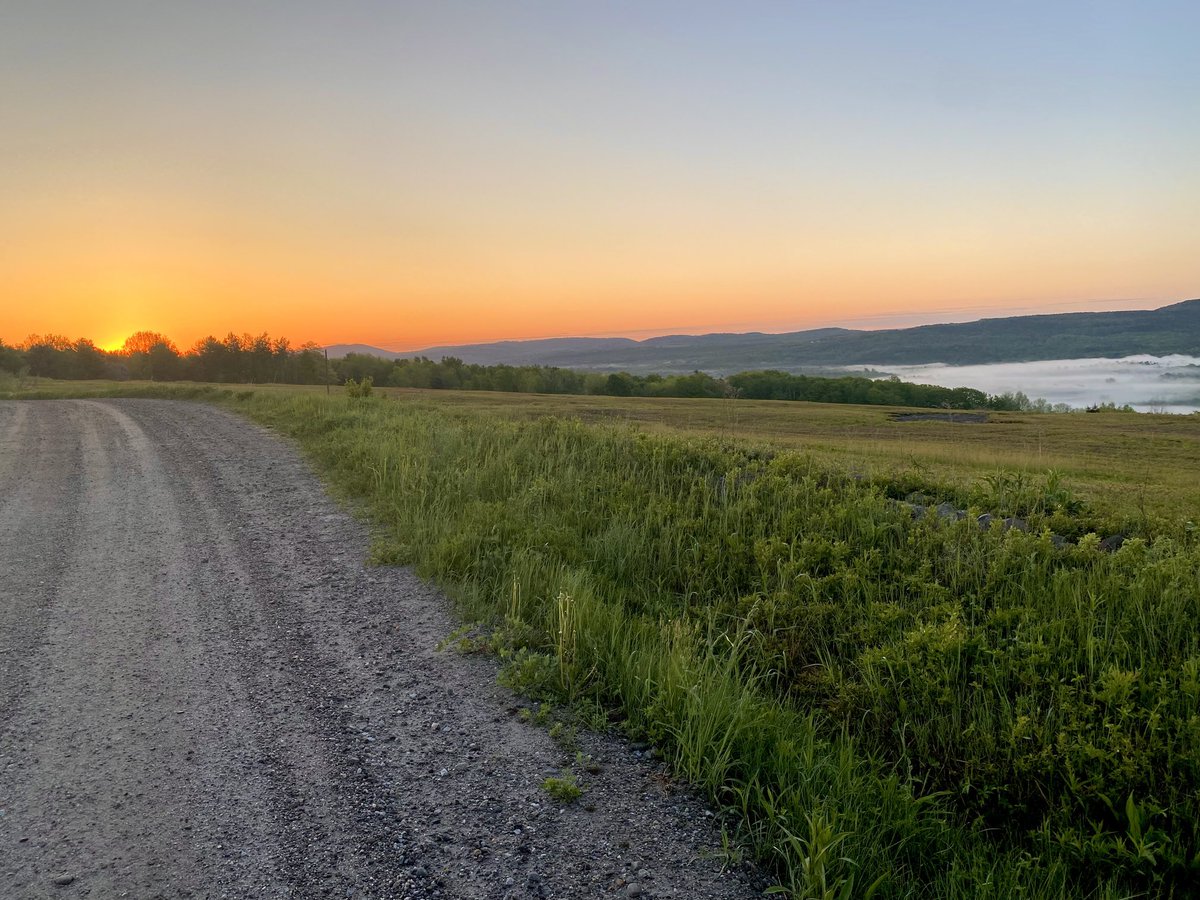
column 565, row 789
column 360, row 389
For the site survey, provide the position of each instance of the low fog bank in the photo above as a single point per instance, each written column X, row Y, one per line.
column 1147, row 383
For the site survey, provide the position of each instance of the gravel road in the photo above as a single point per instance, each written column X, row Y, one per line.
column 205, row 692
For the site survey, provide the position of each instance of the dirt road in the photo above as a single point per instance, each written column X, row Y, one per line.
column 204, row 692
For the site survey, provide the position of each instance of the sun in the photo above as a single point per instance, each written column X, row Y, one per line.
column 113, row 344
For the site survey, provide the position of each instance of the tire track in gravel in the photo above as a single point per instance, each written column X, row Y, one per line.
column 28, row 527
column 208, row 694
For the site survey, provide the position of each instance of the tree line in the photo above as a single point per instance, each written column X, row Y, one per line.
column 261, row 359
column 147, row 355
column 453, row 373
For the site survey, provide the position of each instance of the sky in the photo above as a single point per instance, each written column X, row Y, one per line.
column 418, row 174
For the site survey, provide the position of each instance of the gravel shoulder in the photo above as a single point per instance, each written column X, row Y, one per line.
column 205, row 692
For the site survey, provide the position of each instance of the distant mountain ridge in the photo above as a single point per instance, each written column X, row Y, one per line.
column 1167, row 330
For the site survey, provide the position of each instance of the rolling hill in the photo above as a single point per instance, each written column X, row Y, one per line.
column 1167, row 330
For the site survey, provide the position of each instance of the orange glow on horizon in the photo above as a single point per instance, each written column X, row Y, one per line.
column 436, row 334
column 114, row 344
column 189, row 272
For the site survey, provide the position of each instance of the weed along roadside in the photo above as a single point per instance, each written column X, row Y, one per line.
column 881, row 705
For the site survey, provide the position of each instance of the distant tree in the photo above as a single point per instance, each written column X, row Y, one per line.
column 282, row 353
column 698, row 384
column 968, row 398
column 357, row 366
column 12, row 360
column 152, row 355
column 164, row 362
column 235, row 367
column 144, row 341
column 448, row 374
column 207, row 360
column 1009, row 401
column 49, row 356
column 620, row 384
column 310, row 365
column 261, row 359
column 415, row 373
column 91, row 361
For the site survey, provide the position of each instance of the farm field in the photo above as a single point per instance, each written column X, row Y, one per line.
column 1121, row 462
column 882, row 704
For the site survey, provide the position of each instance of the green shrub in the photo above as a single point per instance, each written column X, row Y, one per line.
column 360, row 389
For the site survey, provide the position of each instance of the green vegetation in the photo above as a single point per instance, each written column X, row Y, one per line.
column 452, row 373
column 1129, row 468
column 360, row 389
column 956, row 711
column 564, row 789
column 915, row 708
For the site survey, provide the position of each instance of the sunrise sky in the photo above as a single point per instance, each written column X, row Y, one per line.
column 412, row 174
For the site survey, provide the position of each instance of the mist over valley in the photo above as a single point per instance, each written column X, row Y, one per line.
column 1147, row 383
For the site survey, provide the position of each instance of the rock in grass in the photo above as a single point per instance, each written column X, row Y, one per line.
column 950, row 511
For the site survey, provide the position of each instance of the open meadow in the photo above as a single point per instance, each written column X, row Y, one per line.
column 1125, row 466
column 882, row 701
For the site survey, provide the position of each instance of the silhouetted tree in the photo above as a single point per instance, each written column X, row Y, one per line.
column 49, row 356
column 260, row 359
column 152, row 355
column 310, row 365
column 12, row 360
column 91, row 361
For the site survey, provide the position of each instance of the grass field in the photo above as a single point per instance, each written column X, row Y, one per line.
column 1127, row 467
column 881, row 705
column 1120, row 462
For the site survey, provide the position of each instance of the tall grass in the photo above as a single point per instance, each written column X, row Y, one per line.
column 32, row 388
column 913, row 708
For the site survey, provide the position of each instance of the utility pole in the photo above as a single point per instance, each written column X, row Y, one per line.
column 326, row 349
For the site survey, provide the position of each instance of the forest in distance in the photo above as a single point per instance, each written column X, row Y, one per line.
column 249, row 359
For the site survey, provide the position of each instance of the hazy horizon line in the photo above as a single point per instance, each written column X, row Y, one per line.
column 946, row 316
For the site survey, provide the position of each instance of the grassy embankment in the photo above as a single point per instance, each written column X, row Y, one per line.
column 924, row 707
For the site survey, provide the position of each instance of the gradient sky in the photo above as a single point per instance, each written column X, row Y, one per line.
column 417, row 174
